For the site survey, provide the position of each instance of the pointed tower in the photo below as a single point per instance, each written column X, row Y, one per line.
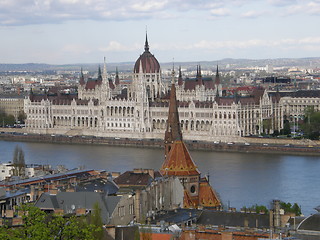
column 105, row 73
column 199, row 75
column 173, row 131
column 217, row 84
column 81, row 81
column 217, row 81
column 146, row 44
column 180, row 80
column 117, row 80
column 178, row 162
column 99, row 79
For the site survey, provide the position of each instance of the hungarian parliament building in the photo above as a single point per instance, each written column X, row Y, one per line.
column 107, row 108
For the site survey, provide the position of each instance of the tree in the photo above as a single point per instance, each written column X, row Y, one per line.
column 18, row 162
column 266, row 123
column 286, row 128
column 311, row 124
column 6, row 119
column 289, row 208
column 96, row 221
column 22, row 117
column 38, row 225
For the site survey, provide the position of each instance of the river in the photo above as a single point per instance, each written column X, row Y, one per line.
column 240, row 179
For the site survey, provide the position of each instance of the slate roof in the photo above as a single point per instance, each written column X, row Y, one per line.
column 177, row 216
column 132, row 179
column 299, row 94
column 98, row 185
column 191, row 83
column 70, row 201
column 78, row 173
column 311, row 223
column 234, row 219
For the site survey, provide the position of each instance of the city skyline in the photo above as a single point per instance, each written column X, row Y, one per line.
column 72, row 31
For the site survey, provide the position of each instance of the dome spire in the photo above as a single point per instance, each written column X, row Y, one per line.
column 146, row 45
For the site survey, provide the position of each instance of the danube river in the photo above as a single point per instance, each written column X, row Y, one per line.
column 241, row 179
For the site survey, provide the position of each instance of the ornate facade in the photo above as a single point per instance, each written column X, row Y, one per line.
column 107, row 108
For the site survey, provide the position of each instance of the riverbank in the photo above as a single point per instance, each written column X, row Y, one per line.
column 249, row 144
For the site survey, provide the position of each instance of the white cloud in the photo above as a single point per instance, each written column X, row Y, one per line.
column 220, row 12
column 246, row 44
column 281, row 3
column 76, row 49
column 26, row 12
column 253, row 14
column 114, row 46
column 149, row 5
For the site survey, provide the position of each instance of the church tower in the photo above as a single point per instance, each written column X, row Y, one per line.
column 178, row 162
column 173, row 131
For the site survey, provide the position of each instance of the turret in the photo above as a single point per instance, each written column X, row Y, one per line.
column 117, row 80
column 180, row 80
column 81, row 81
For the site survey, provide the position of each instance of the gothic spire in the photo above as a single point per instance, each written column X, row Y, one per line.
column 117, row 80
column 199, row 75
column 81, row 81
column 180, row 80
column 105, row 73
column 146, row 45
column 99, row 74
column 217, row 76
column 173, row 131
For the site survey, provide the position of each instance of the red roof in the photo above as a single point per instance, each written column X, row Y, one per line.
column 179, row 162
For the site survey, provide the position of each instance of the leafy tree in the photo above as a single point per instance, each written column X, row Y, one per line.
column 311, row 124
column 96, row 221
column 286, row 128
column 266, row 125
column 18, row 162
column 22, row 117
column 289, row 208
column 6, row 119
column 38, row 225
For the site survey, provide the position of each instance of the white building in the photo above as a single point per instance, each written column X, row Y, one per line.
column 104, row 107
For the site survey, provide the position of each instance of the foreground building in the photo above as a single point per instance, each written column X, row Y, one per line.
column 106, row 108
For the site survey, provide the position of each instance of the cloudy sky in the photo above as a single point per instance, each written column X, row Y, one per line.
column 84, row 31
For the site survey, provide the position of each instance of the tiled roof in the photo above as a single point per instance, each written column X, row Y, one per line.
column 130, row 178
column 91, row 84
column 207, row 196
column 191, row 83
column 179, row 162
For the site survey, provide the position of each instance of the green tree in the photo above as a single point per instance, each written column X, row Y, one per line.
column 37, row 225
column 6, row 119
column 286, row 128
column 311, row 124
column 22, row 117
column 96, row 221
column 289, row 208
column 266, row 123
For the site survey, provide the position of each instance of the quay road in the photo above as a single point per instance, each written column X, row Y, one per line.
column 249, row 144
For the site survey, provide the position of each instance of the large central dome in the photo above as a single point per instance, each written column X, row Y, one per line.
column 149, row 63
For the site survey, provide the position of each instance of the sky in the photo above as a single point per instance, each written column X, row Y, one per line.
column 86, row 31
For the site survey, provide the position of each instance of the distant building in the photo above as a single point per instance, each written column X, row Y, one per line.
column 12, row 105
column 105, row 107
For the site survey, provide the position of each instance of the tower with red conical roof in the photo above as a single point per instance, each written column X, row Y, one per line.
column 178, row 162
